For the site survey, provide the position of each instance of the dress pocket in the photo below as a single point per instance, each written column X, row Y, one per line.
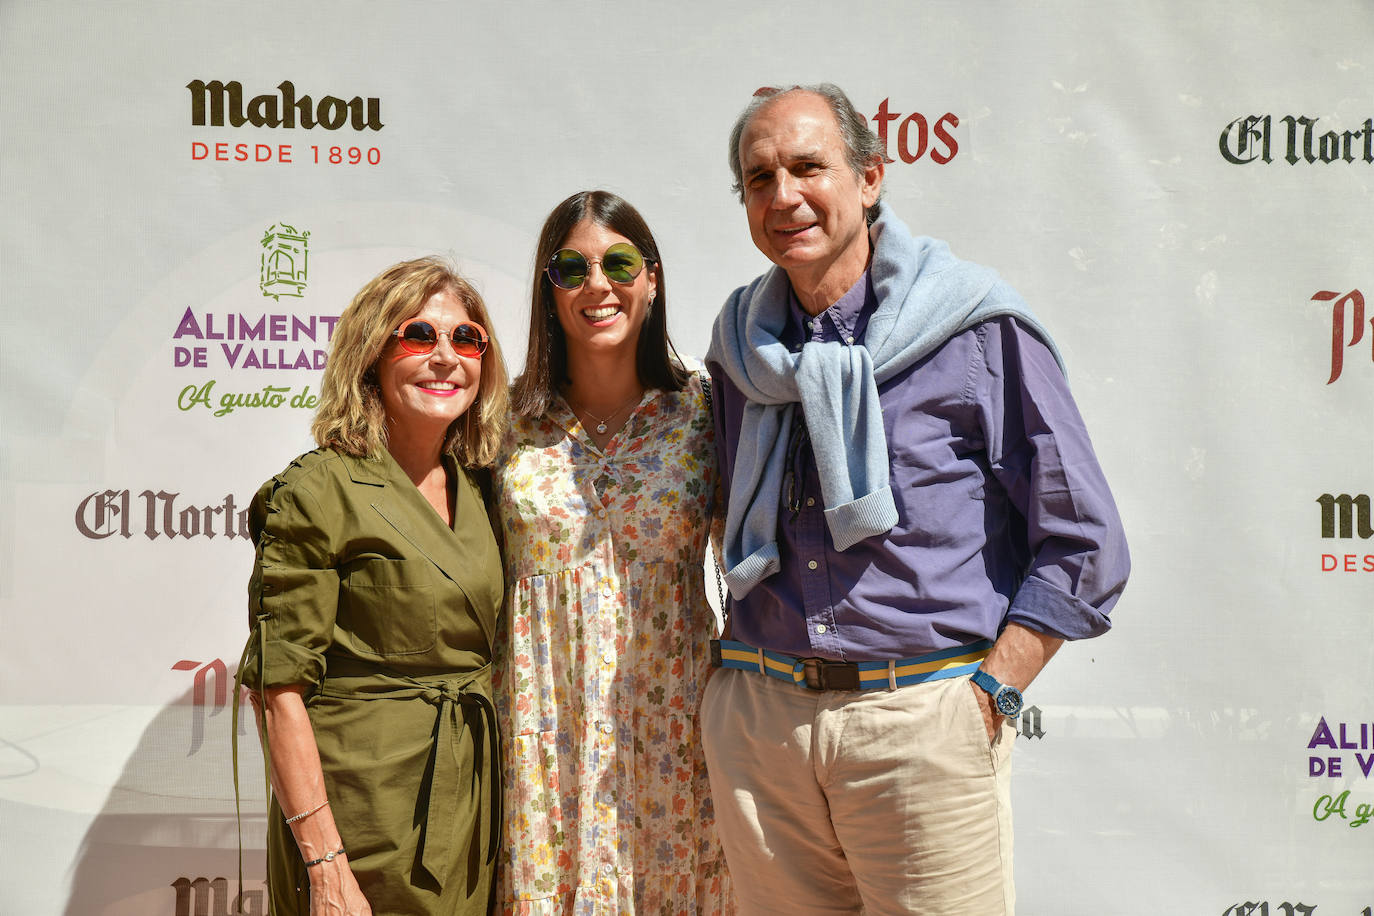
column 387, row 608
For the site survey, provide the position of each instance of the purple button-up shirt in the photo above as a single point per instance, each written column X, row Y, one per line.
column 1003, row 512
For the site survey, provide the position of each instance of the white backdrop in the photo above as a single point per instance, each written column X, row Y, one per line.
column 1098, row 155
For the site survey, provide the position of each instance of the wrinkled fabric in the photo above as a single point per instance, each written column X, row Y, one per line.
column 606, row 652
column 360, row 592
column 925, row 296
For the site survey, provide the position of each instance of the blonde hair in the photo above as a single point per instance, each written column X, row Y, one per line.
column 351, row 416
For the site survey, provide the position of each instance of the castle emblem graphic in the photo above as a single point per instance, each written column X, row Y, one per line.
column 283, row 269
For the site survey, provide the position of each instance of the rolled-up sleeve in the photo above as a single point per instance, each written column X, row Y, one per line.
column 1040, row 451
column 293, row 592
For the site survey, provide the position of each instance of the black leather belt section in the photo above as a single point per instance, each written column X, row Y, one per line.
column 824, row 674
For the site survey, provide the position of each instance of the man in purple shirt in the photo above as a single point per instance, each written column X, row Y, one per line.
column 916, row 522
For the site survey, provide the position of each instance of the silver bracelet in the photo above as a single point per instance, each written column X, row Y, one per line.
column 327, row 857
column 304, row 814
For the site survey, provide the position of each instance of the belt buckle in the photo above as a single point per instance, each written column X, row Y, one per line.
column 824, row 674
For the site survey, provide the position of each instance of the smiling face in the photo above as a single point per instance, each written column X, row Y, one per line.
column 423, row 393
column 602, row 315
column 804, row 203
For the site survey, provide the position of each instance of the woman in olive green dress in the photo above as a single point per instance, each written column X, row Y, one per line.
column 372, row 605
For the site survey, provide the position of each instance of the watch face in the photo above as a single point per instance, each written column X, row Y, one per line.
column 1008, row 701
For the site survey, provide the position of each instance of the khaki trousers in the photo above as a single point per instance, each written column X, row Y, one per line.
column 876, row 801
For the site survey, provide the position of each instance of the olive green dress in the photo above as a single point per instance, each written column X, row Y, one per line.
column 362, row 593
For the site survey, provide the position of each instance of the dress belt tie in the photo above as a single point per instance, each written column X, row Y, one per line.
column 451, row 694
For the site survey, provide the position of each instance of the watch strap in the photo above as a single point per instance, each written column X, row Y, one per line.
column 998, row 691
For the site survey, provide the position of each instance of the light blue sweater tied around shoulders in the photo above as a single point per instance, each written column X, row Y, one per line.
column 925, row 296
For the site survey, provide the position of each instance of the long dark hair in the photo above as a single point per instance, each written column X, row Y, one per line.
column 546, row 358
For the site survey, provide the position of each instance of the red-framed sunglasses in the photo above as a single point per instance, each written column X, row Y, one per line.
column 419, row 336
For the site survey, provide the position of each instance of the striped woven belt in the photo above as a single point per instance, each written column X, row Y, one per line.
column 824, row 674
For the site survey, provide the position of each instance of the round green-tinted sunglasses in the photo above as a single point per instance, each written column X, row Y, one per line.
column 568, row 268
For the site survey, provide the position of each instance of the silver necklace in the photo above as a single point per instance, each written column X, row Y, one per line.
column 600, row 422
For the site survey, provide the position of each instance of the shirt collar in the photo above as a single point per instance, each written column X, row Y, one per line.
column 845, row 320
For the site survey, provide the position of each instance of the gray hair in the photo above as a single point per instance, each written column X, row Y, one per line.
column 860, row 143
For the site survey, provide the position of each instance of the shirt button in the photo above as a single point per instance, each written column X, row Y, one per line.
column 607, row 728
column 812, row 564
column 607, row 870
column 820, row 628
column 810, row 500
column 607, row 658
column 607, row 592
column 601, row 513
column 849, row 340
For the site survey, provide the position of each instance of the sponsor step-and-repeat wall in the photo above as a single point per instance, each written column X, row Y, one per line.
column 1182, row 191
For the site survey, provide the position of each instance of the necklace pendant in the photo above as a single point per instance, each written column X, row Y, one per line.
column 601, row 428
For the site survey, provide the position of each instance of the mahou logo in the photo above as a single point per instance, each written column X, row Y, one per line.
column 1346, row 517
column 1253, row 139
column 211, row 897
column 214, row 102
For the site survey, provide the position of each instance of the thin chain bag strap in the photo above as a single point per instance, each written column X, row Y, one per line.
column 715, row 562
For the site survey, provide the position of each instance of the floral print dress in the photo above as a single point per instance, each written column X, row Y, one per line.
column 603, row 657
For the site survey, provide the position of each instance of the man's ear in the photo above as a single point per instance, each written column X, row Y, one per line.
column 872, row 181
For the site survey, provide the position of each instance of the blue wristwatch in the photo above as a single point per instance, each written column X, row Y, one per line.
column 1005, row 697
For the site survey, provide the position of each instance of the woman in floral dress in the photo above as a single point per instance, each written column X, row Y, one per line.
column 605, row 491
